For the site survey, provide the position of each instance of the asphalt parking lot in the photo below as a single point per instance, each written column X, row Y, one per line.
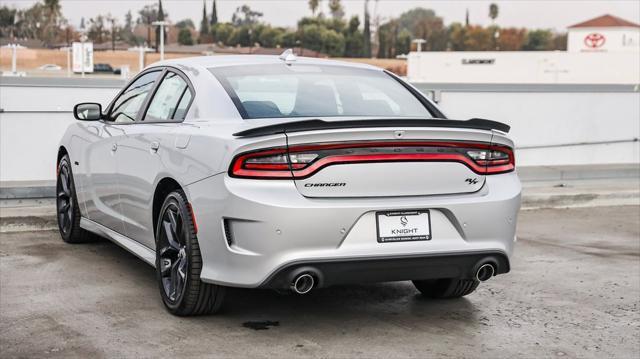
column 574, row 291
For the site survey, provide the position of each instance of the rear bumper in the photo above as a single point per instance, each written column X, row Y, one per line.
column 271, row 230
column 389, row 269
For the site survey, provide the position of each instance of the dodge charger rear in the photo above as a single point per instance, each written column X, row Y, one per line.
column 290, row 174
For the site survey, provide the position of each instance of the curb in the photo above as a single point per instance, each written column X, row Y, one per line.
column 541, row 201
column 46, row 220
column 28, row 224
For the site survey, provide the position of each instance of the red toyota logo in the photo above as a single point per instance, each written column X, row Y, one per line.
column 594, row 40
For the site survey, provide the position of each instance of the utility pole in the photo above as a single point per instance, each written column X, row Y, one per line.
column 162, row 24
column 83, row 38
column 113, row 33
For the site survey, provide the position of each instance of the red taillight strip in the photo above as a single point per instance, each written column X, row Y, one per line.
column 279, row 171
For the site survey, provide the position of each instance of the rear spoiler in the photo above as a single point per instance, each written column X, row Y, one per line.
column 311, row 125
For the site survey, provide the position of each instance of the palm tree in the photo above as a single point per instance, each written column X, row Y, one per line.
column 313, row 5
column 493, row 12
column 53, row 18
column 336, row 9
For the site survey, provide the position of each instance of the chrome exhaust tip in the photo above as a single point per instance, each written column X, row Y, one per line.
column 303, row 283
column 485, row 272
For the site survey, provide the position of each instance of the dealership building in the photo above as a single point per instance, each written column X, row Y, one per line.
column 604, row 50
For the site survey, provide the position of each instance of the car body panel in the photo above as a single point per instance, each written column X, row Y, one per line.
column 273, row 225
column 377, row 179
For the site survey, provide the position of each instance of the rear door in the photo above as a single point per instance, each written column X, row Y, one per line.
column 384, row 162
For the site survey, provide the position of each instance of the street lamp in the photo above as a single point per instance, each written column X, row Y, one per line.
column 141, row 50
column 162, row 24
column 419, row 43
column 14, row 58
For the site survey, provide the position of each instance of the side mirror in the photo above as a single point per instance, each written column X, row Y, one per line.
column 87, row 111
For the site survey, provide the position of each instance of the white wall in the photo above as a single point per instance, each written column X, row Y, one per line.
column 616, row 39
column 542, row 67
column 32, row 123
column 569, row 123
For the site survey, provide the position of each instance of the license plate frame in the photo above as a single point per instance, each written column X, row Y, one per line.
column 403, row 238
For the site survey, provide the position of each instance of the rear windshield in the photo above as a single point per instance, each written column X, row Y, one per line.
column 280, row 90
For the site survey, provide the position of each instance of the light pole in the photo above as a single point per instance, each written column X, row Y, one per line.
column 83, row 38
column 419, row 43
column 162, row 24
column 141, row 50
column 14, row 58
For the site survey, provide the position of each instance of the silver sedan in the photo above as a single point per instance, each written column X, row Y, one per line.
column 288, row 173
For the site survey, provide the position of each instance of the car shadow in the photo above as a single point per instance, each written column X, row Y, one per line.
column 393, row 301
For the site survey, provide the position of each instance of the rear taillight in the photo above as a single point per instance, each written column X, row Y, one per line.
column 302, row 161
column 496, row 159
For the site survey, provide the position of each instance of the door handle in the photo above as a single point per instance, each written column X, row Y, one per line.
column 114, row 147
column 154, row 146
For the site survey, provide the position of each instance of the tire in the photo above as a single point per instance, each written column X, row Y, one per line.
column 67, row 209
column 446, row 288
column 179, row 262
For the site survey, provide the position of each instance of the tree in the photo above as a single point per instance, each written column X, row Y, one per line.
column 287, row 39
column 270, row 36
column 512, row 39
column 245, row 16
column 456, row 34
column 336, row 10
column 186, row 23
column 184, row 36
column 161, row 17
column 478, row 39
column 112, row 20
column 333, row 43
column 126, row 32
column 538, row 40
column 204, row 23
column 97, row 29
column 560, row 42
column 313, row 5
column 366, row 34
column 214, row 14
column 354, row 41
column 221, row 33
column 52, row 20
column 148, row 14
column 493, row 12
column 7, row 22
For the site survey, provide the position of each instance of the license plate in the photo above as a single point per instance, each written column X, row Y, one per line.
column 403, row 226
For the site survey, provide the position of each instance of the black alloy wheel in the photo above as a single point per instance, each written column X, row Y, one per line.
column 67, row 209
column 64, row 203
column 173, row 259
column 179, row 261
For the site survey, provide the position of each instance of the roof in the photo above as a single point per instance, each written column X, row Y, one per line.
column 235, row 60
column 606, row 21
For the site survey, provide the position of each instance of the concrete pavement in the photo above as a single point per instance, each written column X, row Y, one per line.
column 574, row 291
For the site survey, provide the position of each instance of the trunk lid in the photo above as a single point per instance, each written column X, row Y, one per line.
column 385, row 162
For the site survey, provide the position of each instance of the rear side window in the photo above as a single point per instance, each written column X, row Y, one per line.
column 170, row 101
column 280, row 90
column 127, row 105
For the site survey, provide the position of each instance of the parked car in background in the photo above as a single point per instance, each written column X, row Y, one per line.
column 288, row 173
column 50, row 67
column 105, row 68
